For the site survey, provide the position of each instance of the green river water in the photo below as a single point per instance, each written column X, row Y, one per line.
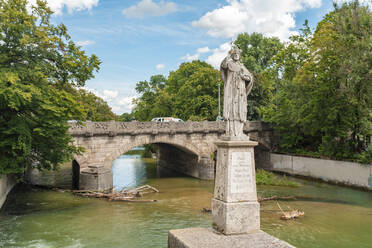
column 335, row 216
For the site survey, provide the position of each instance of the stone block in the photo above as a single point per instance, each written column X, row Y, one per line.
column 209, row 238
column 236, row 218
column 235, row 172
column 96, row 178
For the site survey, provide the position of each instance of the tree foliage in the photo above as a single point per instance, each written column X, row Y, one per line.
column 190, row 92
column 257, row 53
column 324, row 103
column 38, row 61
column 125, row 117
column 94, row 107
column 146, row 103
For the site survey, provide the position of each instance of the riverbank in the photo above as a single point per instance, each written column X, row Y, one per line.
column 7, row 183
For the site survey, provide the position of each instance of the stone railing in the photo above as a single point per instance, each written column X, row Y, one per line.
column 90, row 129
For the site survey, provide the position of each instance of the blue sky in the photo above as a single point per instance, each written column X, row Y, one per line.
column 138, row 38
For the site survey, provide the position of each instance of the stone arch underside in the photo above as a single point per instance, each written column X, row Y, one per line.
column 104, row 150
column 181, row 144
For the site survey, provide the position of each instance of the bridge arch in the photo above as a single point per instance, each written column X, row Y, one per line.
column 179, row 143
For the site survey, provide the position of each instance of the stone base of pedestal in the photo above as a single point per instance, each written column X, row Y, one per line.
column 236, row 218
column 209, row 238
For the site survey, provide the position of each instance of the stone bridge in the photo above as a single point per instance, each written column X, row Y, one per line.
column 187, row 147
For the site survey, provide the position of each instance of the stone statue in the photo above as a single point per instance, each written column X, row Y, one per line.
column 238, row 84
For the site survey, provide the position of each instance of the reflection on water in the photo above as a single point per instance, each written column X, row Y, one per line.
column 130, row 173
column 335, row 216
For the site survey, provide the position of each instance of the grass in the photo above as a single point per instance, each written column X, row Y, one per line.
column 268, row 178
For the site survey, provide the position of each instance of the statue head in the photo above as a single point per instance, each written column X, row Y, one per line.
column 235, row 53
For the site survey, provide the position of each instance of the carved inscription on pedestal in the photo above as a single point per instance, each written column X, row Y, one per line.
column 240, row 175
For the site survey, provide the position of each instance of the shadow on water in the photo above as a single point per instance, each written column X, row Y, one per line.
column 26, row 200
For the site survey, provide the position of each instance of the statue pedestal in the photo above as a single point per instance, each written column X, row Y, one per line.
column 235, row 207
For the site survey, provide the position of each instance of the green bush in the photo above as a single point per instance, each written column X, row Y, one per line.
column 366, row 156
column 268, row 178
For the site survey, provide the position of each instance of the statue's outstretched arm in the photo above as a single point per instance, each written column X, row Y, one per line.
column 223, row 69
column 224, row 63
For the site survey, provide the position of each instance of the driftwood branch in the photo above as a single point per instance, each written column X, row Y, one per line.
column 123, row 195
column 274, row 197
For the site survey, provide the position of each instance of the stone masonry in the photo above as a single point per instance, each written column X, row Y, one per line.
column 106, row 141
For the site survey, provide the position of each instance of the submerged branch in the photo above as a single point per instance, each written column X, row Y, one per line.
column 123, row 195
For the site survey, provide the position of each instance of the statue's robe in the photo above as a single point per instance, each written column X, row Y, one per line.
column 238, row 84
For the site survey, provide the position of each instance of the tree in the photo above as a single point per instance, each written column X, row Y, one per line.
column 257, row 53
column 94, row 107
column 38, row 61
column 324, row 104
column 197, row 99
column 338, row 77
column 177, row 79
column 284, row 101
column 145, row 104
column 189, row 93
column 125, row 117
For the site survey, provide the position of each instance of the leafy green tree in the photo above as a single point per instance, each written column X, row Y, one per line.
column 178, row 78
column 125, row 117
column 257, row 53
column 164, row 104
column 284, row 101
column 197, row 99
column 338, row 77
column 37, row 62
column 145, row 104
column 189, row 93
column 94, row 107
column 324, row 105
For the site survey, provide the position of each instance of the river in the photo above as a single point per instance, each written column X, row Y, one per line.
column 335, row 216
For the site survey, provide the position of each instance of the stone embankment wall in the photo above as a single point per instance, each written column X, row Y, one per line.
column 62, row 178
column 6, row 184
column 340, row 172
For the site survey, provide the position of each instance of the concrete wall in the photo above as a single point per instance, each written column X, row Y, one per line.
column 348, row 173
column 6, row 184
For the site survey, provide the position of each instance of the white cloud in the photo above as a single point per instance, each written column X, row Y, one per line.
column 270, row 17
column 85, row 43
column 189, row 57
column 118, row 103
column 110, row 94
column 147, row 8
column 160, row 67
column 123, row 105
column 203, row 50
column 72, row 5
column 219, row 54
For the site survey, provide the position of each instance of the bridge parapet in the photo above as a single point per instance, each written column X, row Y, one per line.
column 89, row 129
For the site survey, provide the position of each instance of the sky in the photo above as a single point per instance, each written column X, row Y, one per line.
column 136, row 39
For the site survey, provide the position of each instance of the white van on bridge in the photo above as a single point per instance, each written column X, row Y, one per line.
column 166, row 119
